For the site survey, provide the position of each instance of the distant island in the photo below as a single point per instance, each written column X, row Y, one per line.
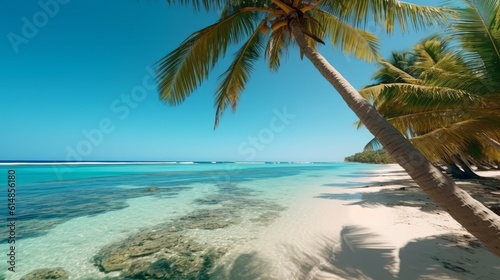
column 380, row 156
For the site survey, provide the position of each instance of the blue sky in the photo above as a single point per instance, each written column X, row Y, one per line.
column 77, row 85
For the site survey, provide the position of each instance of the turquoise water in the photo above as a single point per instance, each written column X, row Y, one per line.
column 67, row 213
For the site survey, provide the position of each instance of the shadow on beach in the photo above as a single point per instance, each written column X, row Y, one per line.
column 385, row 173
column 404, row 196
column 405, row 192
column 362, row 255
column 446, row 256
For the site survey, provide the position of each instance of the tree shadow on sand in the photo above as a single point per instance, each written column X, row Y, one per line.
column 362, row 254
column 402, row 182
column 404, row 196
column 404, row 192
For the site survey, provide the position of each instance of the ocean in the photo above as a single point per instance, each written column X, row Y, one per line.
column 77, row 217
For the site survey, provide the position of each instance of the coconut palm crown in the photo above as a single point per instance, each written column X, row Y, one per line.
column 267, row 28
column 261, row 29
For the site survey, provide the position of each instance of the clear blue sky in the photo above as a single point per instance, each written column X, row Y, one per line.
column 67, row 78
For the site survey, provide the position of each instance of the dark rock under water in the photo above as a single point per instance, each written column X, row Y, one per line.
column 47, row 273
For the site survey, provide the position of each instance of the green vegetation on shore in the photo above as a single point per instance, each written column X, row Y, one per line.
column 380, row 156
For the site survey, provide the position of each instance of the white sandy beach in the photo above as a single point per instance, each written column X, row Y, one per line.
column 376, row 232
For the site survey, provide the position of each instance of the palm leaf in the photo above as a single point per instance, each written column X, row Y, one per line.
column 397, row 74
column 199, row 4
column 391, row 99
column 444, row 143
column 439, row 64
column 277, row 47
column 415, row 124
column 477, row 27
column 183, row 70
column 237, row 75
column 386, row 12
column 398, row 69
column 232, row 7
column 350, row 40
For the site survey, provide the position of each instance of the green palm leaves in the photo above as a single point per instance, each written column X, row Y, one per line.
column 259, row 29
column 348, row 39
column 478, row 28
column 234, row 79
column 446, row 97
column 182, row 71
column 385, row 12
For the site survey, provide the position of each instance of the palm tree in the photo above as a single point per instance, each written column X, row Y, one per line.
column 443, row 76
column 269, row 27
column 435, row 96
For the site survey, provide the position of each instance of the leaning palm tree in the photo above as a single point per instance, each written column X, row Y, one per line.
column 436, row 97
column 268, row 27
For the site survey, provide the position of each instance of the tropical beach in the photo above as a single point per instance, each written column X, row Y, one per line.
column 300, row 221
column 363, row 140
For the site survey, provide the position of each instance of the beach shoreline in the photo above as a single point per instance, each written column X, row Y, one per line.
column 336, row 222
column 386, row 228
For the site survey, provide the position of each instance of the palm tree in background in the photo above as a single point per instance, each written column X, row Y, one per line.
column 268, row 28
column 437, row 97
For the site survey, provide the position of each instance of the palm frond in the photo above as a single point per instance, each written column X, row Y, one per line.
column 234, row 6
column 386, row 12
column 200, row 4
column 444, row 143
column 477, row 27
column 397, row 69
column 393, row 98
column 398, row 74
column 182, row 71
column 360, row 43
column 234, row 79
column 439, row 64
column 418, row 123
column 486, row 9
column 422, row 122
column 277, row 47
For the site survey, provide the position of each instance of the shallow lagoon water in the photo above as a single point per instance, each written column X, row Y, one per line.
column 65, row 218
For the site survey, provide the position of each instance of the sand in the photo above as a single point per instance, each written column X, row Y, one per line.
column 386, row 229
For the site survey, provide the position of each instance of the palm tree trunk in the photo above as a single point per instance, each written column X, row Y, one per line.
column 471, row 214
